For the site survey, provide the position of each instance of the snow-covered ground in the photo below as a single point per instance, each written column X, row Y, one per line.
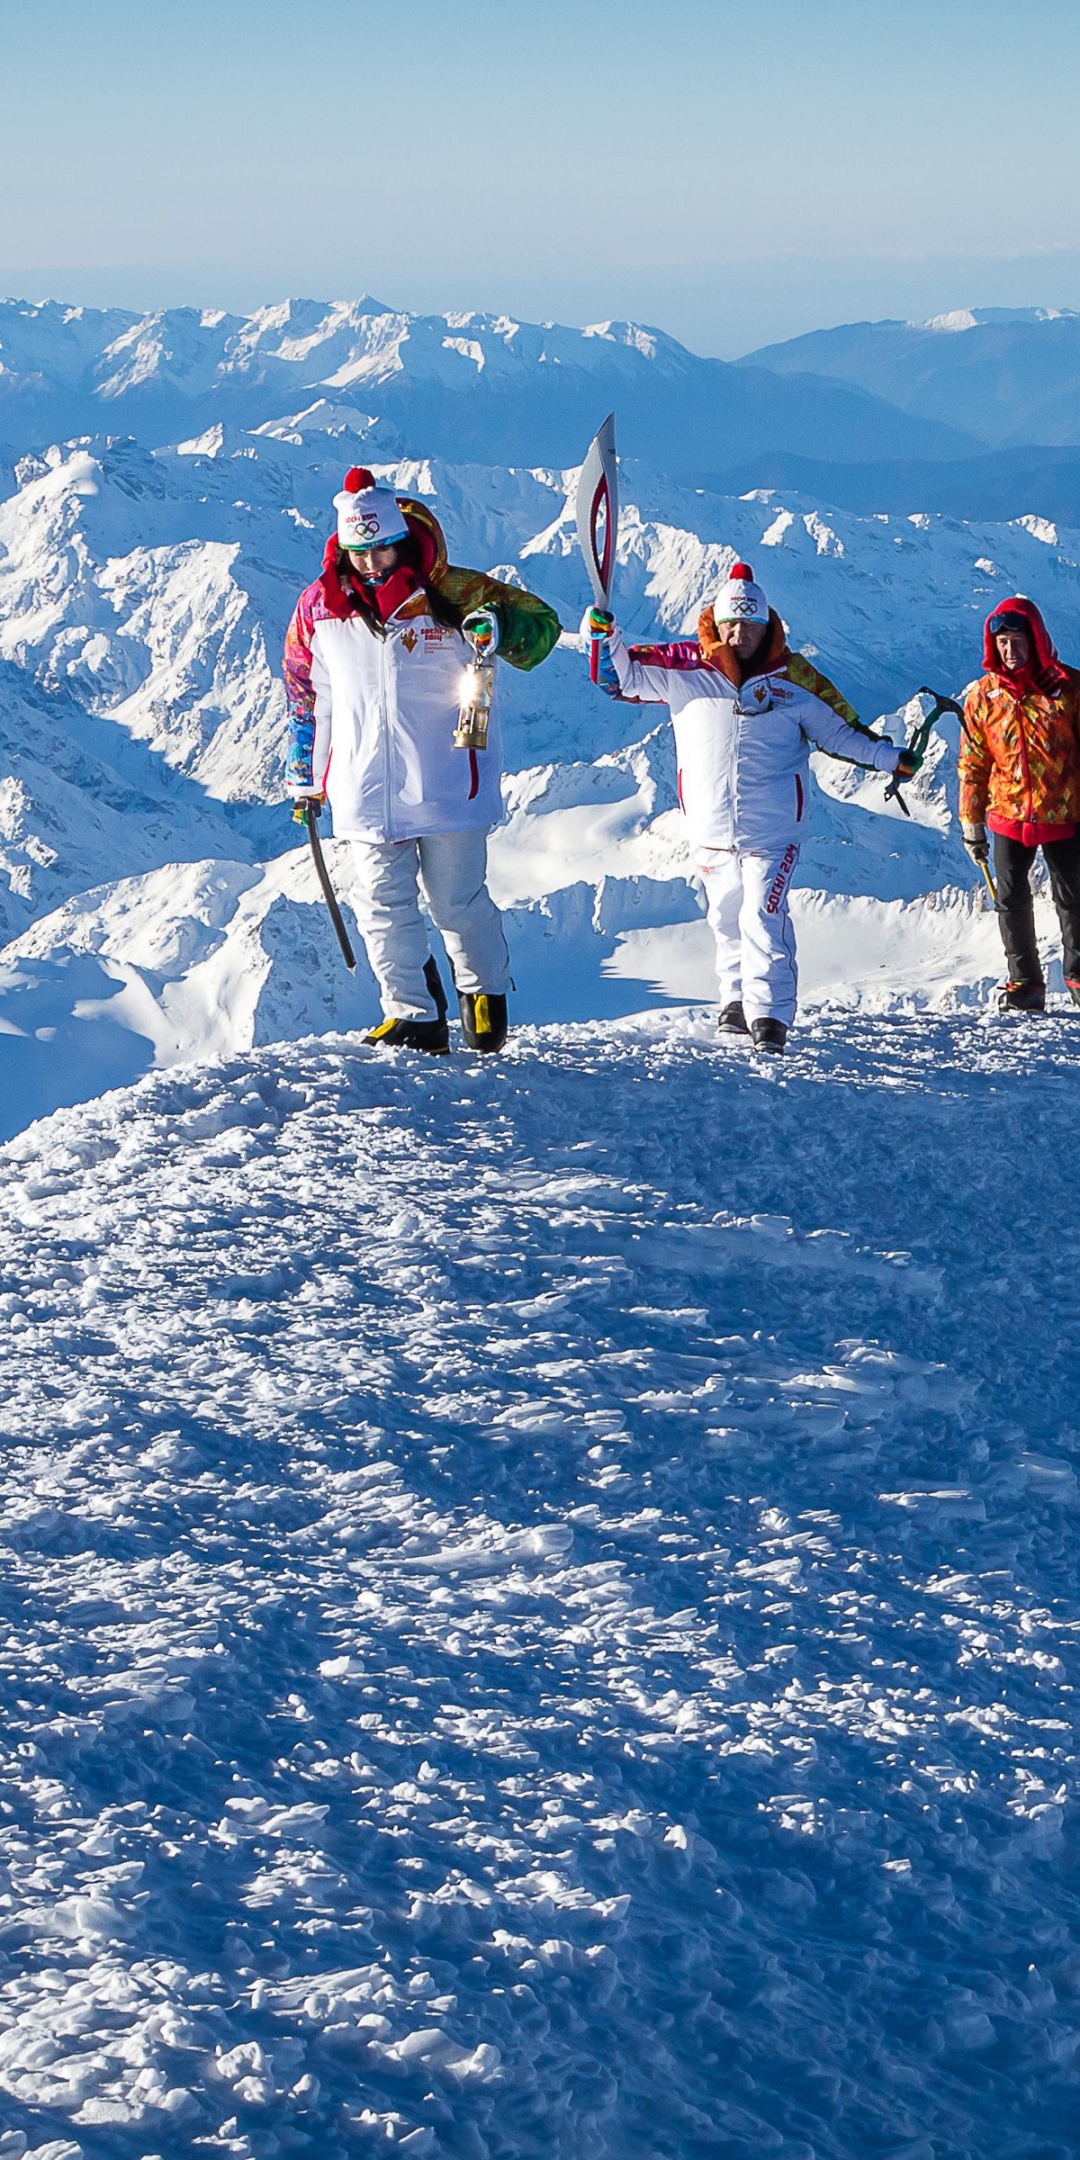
column 539, row 1602
column 539, row 1595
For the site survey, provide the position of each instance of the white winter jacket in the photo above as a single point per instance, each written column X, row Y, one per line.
column 743, row 754
column 385, row 710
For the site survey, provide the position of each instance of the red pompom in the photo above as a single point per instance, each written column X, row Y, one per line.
column 356, row 478
column 737, row 570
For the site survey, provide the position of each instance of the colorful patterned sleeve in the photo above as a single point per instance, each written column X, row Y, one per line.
column 678, row 659
column 641, row 674
column 802, row 671
column 300, row 696
column 976, row 762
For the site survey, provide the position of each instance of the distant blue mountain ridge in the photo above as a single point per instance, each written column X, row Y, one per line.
column 991, row 488
column 485, row 388
column 975, row 414
column 1007, row 376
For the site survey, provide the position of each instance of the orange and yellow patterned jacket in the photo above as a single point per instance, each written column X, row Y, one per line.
column 1020, row 759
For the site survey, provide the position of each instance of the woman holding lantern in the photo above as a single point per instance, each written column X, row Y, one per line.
column 388, row 673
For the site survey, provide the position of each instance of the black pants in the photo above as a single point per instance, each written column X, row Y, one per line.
column 1016, row 914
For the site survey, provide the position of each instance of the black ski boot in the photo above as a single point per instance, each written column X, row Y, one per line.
column 732, row 1020
column 1073, row 989
column 413, row 1034
column 1026, row 997
column 769, row 1036
column 483, row 1019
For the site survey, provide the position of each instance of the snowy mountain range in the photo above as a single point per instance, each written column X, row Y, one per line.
column 462, row 386
column 154, row 901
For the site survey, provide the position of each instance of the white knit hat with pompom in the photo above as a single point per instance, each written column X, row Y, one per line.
column 739, row 599
column 368, row 515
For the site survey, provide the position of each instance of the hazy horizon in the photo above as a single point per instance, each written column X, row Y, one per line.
column 735, row 180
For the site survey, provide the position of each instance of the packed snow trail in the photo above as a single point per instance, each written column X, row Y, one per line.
column 540, row 1603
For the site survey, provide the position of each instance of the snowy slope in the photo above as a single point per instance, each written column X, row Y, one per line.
column 995, row 487
column 156, row 589
column 582, row 1668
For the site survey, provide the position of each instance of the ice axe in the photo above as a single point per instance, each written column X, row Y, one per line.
column 311, row 820
column 921, row 737
column 597, row 510
column 918, row 743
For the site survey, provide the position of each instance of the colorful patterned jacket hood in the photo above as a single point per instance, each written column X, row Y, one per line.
column 1020, row 743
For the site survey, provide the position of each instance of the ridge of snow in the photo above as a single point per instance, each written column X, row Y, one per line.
column 470, row 1668
column 972, row 318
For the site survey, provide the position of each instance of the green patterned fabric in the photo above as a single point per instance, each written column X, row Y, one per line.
column 528, row 627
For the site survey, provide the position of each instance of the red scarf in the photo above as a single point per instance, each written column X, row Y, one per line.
column 386, row 598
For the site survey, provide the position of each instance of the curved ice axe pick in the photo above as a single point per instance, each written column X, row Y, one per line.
column 921, row 737
column 597, row 510
column 946, row 704
column 322, row 873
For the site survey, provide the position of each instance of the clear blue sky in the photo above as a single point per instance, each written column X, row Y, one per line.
column 734, row 170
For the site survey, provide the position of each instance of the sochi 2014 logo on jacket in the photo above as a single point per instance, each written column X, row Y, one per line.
column 755, row 697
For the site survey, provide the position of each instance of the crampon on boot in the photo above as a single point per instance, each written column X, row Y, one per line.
column 1027, row 997
column 483, row 1019
column 412, row 1033
column 769, row 1036
column 732, row 1019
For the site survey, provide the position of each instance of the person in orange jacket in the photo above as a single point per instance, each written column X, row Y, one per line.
column 1020, row 780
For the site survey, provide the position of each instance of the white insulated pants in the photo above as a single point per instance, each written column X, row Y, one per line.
column 453, row 869
column 747, row 901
